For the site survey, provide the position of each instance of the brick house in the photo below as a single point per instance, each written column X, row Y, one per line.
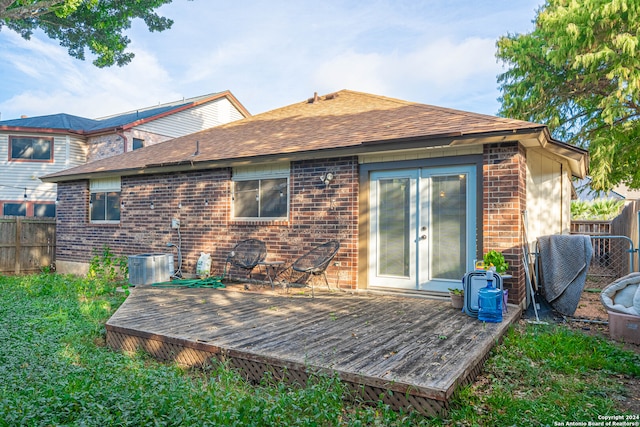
column 417, row 192
column 35, row 146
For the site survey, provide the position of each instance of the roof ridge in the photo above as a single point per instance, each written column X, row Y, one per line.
column 381, row 97
column 175, row 103
column 344, row 120
column 448, row 110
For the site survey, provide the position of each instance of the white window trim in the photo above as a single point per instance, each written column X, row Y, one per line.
column 105, row 185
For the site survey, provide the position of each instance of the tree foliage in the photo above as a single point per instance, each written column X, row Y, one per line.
column 578, row 72
column 96, row 25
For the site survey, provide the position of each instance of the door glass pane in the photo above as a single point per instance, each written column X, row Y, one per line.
column 393, row 227
column 448, row 226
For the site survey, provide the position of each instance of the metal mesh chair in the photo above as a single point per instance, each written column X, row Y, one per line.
column 315, row 262
column 247, row 254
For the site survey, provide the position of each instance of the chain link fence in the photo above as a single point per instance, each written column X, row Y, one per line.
column 613, row 257
column 614, row 246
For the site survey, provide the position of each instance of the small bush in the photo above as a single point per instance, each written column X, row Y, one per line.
column 104, row 265
column 601, row 209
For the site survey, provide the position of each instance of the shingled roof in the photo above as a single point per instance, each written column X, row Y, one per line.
column 83, row 126
column 341, row 123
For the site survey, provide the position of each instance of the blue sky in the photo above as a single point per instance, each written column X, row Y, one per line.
column 273, row 53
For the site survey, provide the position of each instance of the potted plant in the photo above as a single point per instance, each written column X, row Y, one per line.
column 457, row 297
column 495, row 259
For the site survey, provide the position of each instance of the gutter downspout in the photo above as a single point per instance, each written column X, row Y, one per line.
column 124, row 139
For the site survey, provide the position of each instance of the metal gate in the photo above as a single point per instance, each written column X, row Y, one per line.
column 613, row 257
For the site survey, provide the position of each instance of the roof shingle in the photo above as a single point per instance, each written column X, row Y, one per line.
column 82, row 125
column 340, row 120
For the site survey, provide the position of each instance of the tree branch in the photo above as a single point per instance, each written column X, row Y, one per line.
column 23, row 12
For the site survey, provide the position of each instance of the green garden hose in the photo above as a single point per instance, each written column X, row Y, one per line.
column 209, row 282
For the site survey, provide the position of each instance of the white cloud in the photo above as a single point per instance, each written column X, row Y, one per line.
column 438, row 71
column 271, row 54
column 356, row 71
column 58, row 83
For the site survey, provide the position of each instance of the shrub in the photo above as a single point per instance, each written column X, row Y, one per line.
column 601, row 209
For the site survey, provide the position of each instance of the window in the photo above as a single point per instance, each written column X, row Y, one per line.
column 261, row 198
column 261, row 192
column 30, row 148
column 44, row 210
column 104, row 205
column 138, row 143
column 14, row 209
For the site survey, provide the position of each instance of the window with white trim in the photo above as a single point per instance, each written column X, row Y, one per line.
column 104, row 205
column 261, row 192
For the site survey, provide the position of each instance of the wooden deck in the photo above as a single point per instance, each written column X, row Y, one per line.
column 407, row 352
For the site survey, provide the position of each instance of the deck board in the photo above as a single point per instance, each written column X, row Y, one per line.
column 420, row 347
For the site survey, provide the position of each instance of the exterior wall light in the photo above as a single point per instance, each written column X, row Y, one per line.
column 326, row 178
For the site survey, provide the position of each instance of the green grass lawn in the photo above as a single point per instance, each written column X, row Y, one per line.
column 55, row 370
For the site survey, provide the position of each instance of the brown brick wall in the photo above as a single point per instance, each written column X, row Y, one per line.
column 504, row 200
column 317, row 214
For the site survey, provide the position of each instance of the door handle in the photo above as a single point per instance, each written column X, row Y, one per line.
column 423, row 237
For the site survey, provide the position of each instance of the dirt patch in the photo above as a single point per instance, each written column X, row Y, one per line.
column 590, row 306
column 630, row 402
column 592, row 318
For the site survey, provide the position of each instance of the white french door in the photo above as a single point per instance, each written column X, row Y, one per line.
column 423, row 225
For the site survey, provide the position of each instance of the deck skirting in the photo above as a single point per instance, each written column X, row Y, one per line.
column 204, row 339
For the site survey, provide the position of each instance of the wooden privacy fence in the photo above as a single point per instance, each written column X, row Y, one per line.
column 26, row 244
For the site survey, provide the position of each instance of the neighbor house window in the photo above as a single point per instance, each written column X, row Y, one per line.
column 138, row 143
column 14, row 209
column 44, row 210
column 261, row 192
column 30, row 148
column 104, row 205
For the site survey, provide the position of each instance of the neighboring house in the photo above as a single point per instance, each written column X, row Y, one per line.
column 619, row 192
column 417, row 193
column 35, row 146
